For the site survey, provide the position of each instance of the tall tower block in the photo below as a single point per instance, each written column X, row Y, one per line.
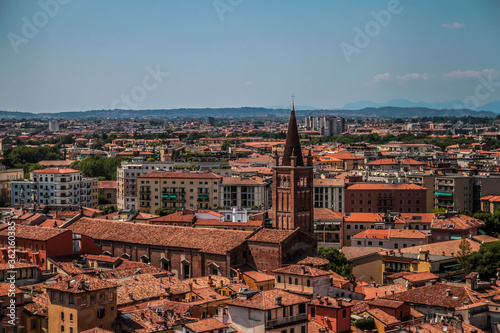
column 293, row 205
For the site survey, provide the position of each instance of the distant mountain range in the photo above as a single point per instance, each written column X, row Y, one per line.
column 405, row 103
column 255, row 112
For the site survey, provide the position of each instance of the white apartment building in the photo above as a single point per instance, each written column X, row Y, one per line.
column 126, row 177
column 55, row 187
column 329, row 193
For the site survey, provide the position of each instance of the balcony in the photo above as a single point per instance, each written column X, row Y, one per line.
column 203, row 198
column 286, row 321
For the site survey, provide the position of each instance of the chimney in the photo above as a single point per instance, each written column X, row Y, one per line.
column 339, row 302
column 448, row 292
column 318, row 298
column 392, row 291
column 303, row 269
column 278, row 300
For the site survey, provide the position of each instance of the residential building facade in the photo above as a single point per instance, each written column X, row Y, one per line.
column 180, row 190
column 55, row 186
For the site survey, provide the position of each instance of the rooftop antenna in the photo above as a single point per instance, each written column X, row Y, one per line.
column 293, row 102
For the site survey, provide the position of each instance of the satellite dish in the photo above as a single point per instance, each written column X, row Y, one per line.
column 445, row 328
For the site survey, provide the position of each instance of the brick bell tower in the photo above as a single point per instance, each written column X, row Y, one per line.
column 293, row 204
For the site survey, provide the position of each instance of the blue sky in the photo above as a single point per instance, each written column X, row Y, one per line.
column 229, row 53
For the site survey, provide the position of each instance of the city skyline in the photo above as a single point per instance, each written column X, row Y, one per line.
column 70, row 56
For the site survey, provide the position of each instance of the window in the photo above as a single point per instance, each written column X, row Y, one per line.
column 380, row 243
column 83, row 301
column 62, row 328
column 296, row 281
column 53, row 297
column 308, row 282
column 279, row 278
column 292, row 330
column 284, row 311
column 303, row 329
column 71, row 317
column 313, row 311
column 289, row 280
column 101, row 313
column 369, row 242
column 61, row 298
column 359, row 242
column 344, row 313
column 92, row 300
column 348, row 226
column 32, row 324
column 302, row 309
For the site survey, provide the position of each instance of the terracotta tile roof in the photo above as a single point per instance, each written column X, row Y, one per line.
column 398, row 275
column 34, row 233
column 258, row 276
column 182, row 216
column 144, row 320
column 186, row 175
column 5, row 289
column 206, row 325
column 79, row 284
column 271, row 235
column 417, row 217
column 51, row 223
column 435, row 295
column 363, row 217
column 446, row 248
column 314, row 261
column 461, row 222
column 384, row 317
column 59, row 171
column 101, row 257
column 145, row 216
column 266, row 300
column 419, row 277
column 141, row 288
column 5, row 266
column 130, row 268
column 112, row 184
column 386, row 303
column 40, row 305
column 359, row 306
column 410, row 161
column 384, row 161
column 314, row 327
column 385, row 186
column 301, row 270
column 389, row 234
column 354, row 252
column 327, row 214
column 485, row 238
column 208, row 240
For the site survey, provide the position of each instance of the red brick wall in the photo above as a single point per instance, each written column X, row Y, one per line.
column 406, row 201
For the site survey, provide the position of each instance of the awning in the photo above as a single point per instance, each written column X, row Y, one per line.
column 456, row 264
column 456, row 236
column 444, row 194
column 482, row 232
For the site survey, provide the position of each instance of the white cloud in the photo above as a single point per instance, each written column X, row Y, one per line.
column 401, row 78
column 458, row 74
column 413, row 76
column 249, row 84
column 382, row 77
column 454, row 25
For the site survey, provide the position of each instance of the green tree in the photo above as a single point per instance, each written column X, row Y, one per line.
column 486, row 260
column 464, row 251
column 338, row 262
column 102, row 200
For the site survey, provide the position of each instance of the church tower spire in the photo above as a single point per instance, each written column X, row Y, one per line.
column 292, row 145
column 293, row 205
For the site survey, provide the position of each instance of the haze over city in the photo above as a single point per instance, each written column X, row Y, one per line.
column 85, row 55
